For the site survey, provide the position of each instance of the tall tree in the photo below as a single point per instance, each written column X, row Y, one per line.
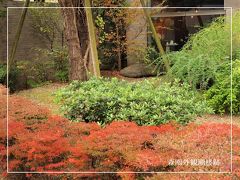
column 77, row 25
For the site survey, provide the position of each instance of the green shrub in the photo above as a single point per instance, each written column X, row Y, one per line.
column 59, row 57
column 152, row 57
column 205, row 52
column 12, row 77
column 146, row 103
column 3, row 73
column 57, row 61
column 219, row 95
column 62, row 75
column 202, row 55
column 35, row 72
column 198, row 71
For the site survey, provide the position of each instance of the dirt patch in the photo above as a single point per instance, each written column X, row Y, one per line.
column 43, row 96
column 219, row 119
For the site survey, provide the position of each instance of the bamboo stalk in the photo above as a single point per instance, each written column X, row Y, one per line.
column 155, row 36
column 18, row 34
column 92, row 39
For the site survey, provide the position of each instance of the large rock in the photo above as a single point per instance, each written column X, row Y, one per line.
column 138, row 70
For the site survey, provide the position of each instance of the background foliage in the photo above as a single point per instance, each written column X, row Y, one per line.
column 56, row 61
column 3, row 10
column 111, row 27
column 47, row 23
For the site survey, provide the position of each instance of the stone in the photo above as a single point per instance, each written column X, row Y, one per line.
column 138, row 70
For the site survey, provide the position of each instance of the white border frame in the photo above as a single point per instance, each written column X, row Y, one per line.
column 125, row 172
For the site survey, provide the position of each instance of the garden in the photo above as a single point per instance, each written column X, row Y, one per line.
column 93, row 101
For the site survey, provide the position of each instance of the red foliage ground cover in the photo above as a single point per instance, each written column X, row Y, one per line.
column 41, row 142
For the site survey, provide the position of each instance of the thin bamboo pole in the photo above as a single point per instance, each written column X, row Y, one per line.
column 18, row 34
column 155, row 36
column 92, row 39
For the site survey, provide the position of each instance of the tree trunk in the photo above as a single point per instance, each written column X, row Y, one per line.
column 80, row 32
column 77, row 69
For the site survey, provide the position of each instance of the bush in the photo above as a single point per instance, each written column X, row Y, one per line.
column 201, row 56
column 13, row 74
column 3, row 73
column 146, row 103
column 205, row 52
column 54, row 145
column 39, row 72
column 152, row 57
column 219, row 95
column 34, row 73
column 58, row 62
